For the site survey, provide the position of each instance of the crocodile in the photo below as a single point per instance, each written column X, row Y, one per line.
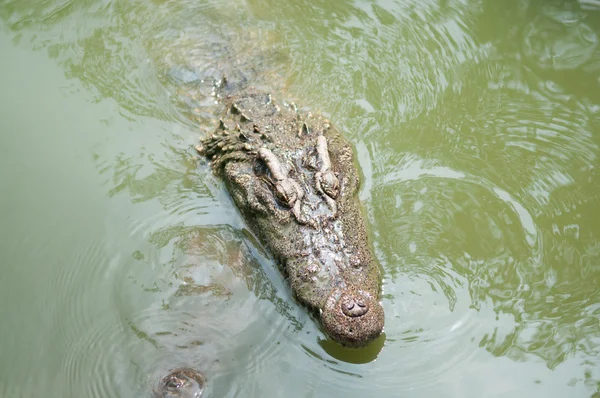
column 293, row 177
column 291, row 173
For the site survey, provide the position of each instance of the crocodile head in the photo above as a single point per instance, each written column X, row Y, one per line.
column 292, row 176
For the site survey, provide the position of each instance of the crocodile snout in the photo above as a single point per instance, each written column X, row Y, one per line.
column 353, row 317
column 181, row 383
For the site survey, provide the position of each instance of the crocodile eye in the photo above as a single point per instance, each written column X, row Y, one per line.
column 286, row 193
column 330, row 184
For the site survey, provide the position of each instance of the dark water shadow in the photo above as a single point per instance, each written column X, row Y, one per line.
column 353, row 355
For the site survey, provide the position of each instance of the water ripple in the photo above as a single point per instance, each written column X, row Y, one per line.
column 74, row 306
column 482, row 190
column 86, row 332
column 559, row 39
column 215, row 302
column 452, row 273
column 109, row 347
column 403, row 81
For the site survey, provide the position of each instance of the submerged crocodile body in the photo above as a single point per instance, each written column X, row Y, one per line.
column 293, row 177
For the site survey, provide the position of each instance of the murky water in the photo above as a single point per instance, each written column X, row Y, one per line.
column 477, row 129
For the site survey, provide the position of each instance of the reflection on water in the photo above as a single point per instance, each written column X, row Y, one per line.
column 476, row 125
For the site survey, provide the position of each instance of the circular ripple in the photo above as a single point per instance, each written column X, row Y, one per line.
column 76, row 302
column 208, row 310
column 454, row 241
column 403, row 80
column 222, row 339
column 95, row 358
column 96, row 362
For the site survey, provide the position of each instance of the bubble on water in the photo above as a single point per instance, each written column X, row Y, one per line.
column 412, row 246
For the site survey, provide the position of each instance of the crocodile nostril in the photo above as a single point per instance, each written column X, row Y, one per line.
column 353, row 307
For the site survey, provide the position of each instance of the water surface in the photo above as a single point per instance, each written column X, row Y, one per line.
column 476, row 127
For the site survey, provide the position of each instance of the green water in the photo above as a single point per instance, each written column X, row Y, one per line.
column 477, row 130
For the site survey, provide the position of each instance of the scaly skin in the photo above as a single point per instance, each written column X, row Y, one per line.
column 292, row 176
